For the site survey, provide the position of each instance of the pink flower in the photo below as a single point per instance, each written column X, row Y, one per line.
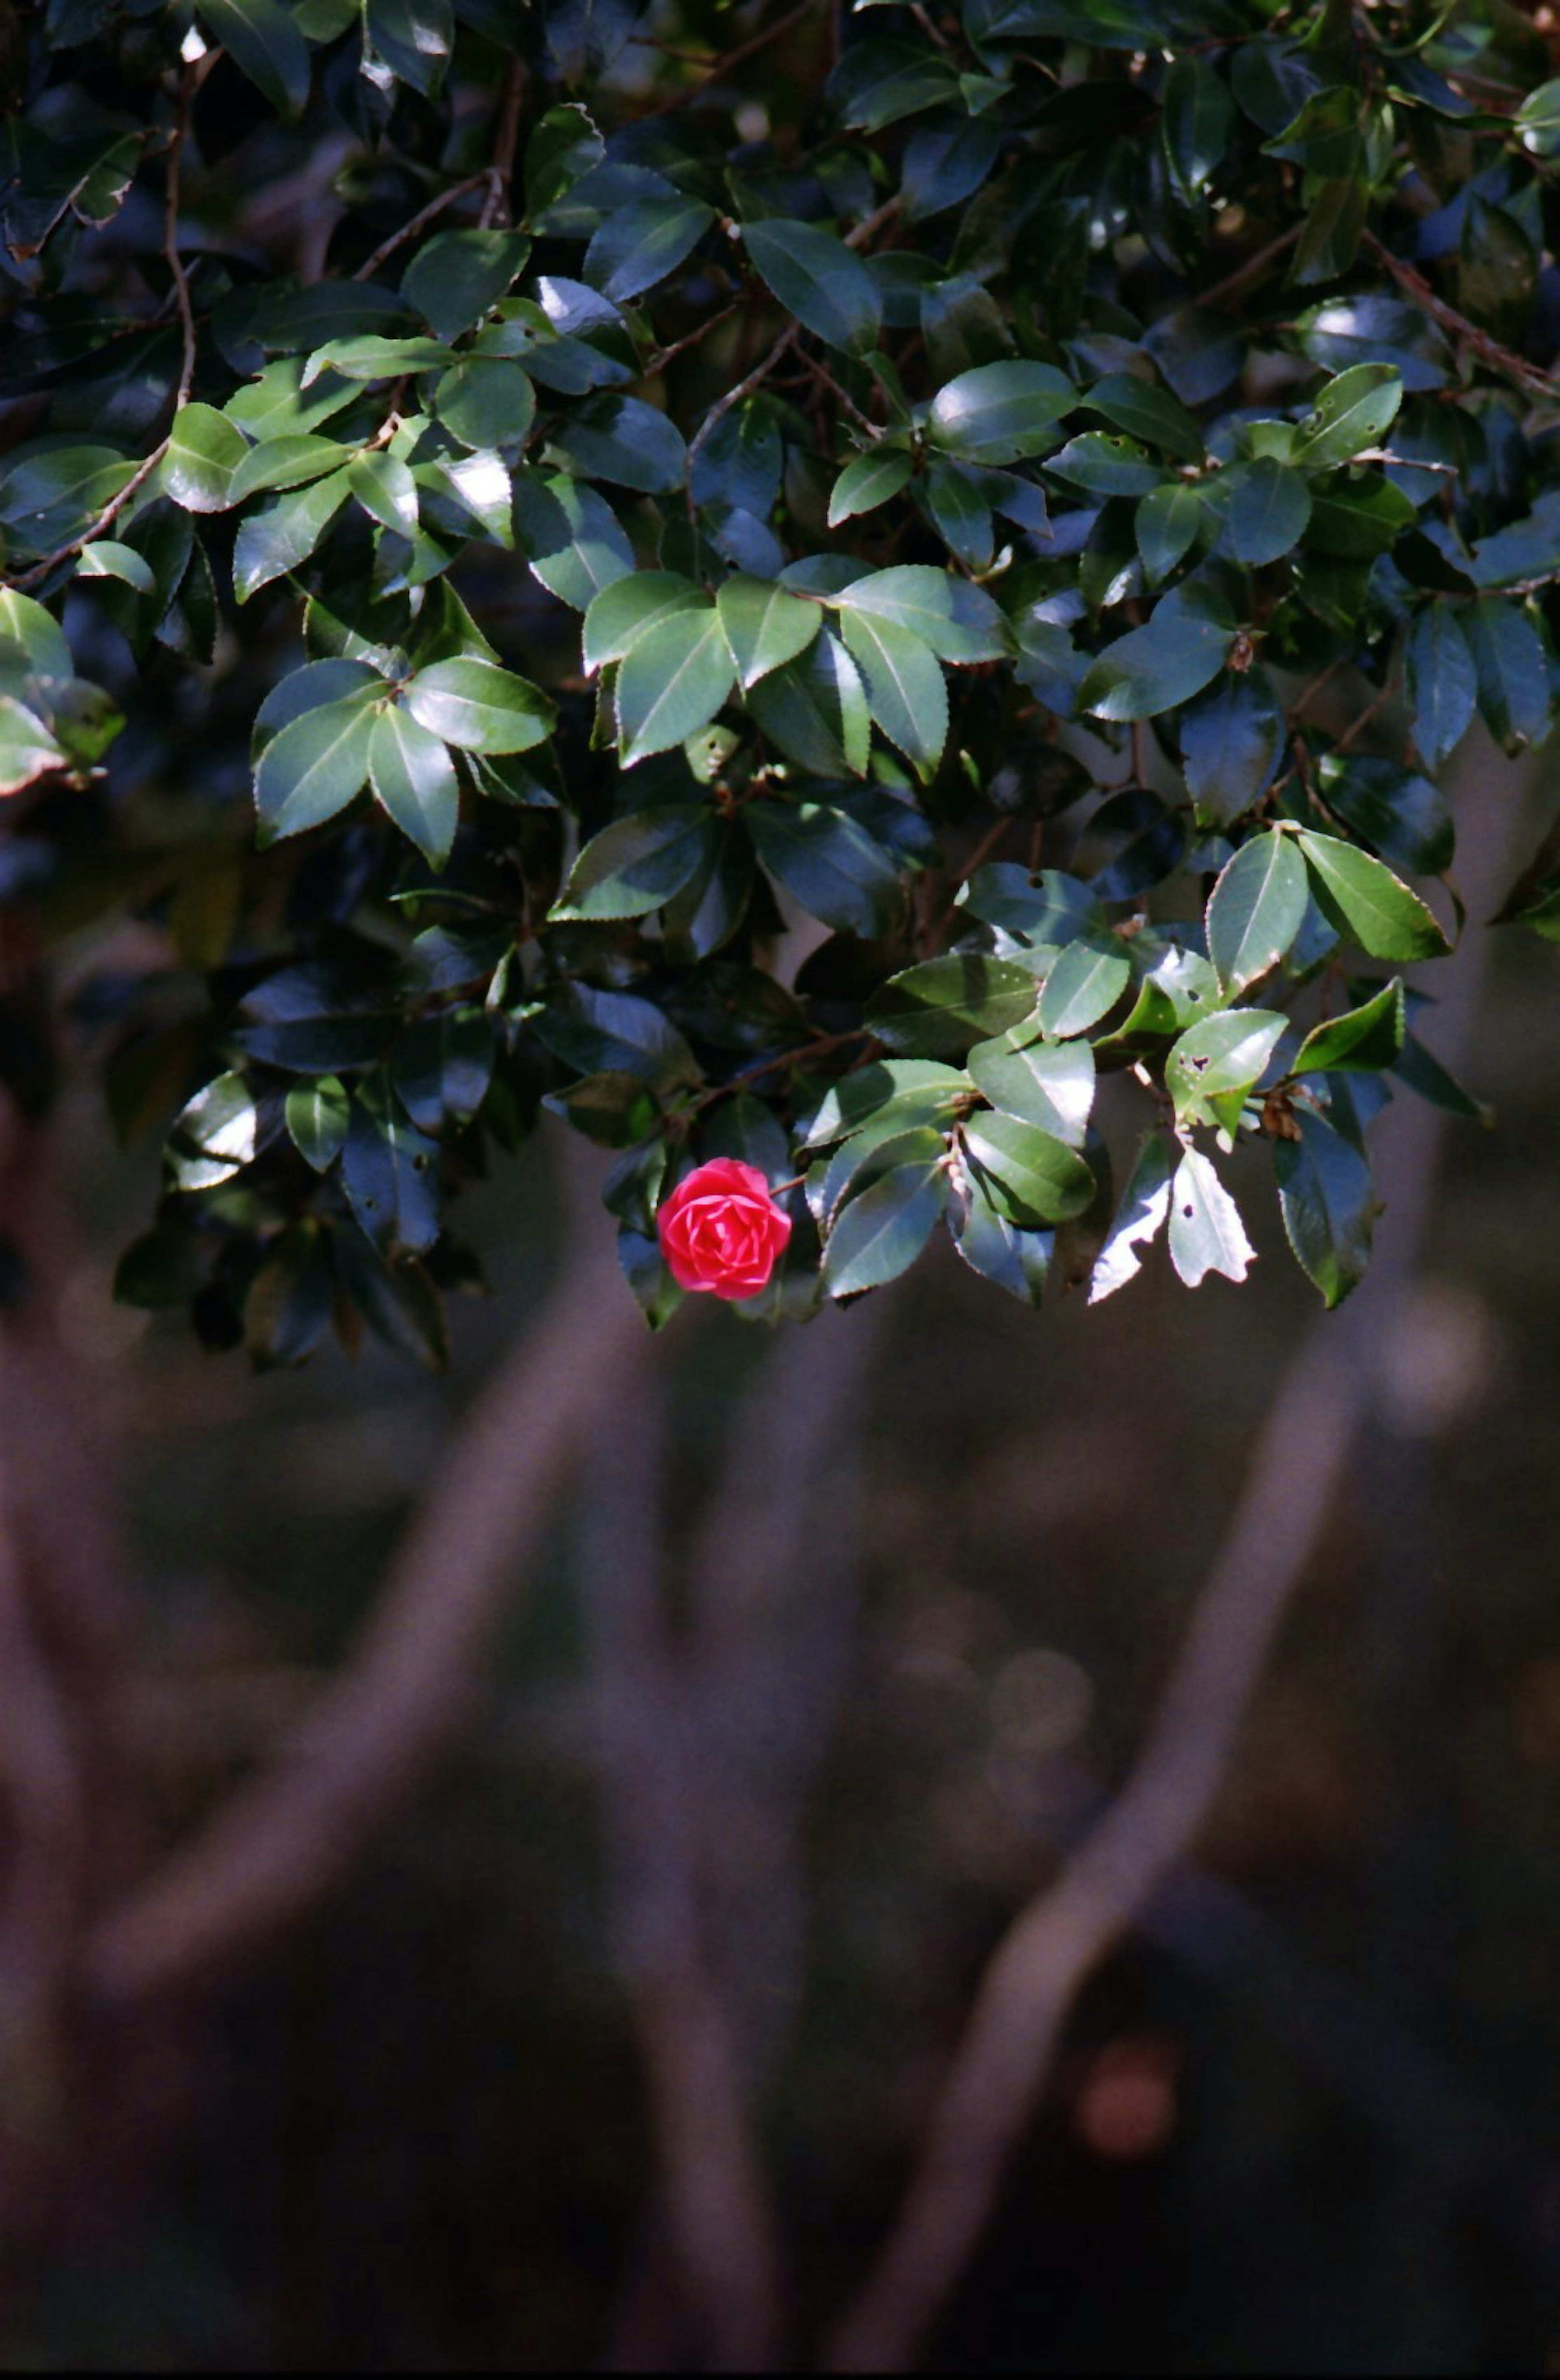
column 722, row 1230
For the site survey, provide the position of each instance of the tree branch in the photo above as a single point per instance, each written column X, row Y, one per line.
column 286, row 1835
column 1302, row 1457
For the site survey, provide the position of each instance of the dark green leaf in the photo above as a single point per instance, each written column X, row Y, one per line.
column 391, row 1173
column 956, row 621
column 818, row 279
column 1149, row 412
column 317, row 1119
column 941, row 1007
column 635, row 864
column 1403, row 815
column 478, row 706
column 672, row 682
column 764, row 626
column 1167, row 524
column 1199, row 114
column 1352, row 412
column 1363, row 1040
column 1154, row 668
column 623, row 440
column 275, row 540
column 409, row 39
column 872, row 479
column 414, row 781
column 204, row 450
column 1043, row 1082
column 1329, row 1211
column 1442, row 682
column 1087, row 980
column 1513, row 676
column 570, row 536
column 1255, row 909
column 881, row 1233
column 1268, row 507
column 314, row 766
column 1366, row 902
column 1140, row 1218
column 829, row 864
column 905, row 688
column 641, row 243
column 1230, row 742
column 1029, row 1175
column 261, row 39
column 1219, row 1054
column 1000, row 412
column 816, row 709
column 459, row 276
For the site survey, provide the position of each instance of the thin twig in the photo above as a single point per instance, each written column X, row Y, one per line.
column 1301, row 1460
column 506, row 136
column 148, row 463
column 664, row 356
column 733, row 58
column 1529, row 378
column 415, row 224
column 286, row 1835
column 1249, row 270
column 744, row 387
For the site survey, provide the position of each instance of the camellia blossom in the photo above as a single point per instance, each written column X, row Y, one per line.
column 722, row 1230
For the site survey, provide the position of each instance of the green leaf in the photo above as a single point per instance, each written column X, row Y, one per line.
column 1106, row 465
column 1403, row 814
column 1352, row 412
column 872, row 479
column 942, row 1006
column 641, row 243
column 1149, row 412
column 1220, row 1054
column 1513, row 676
column 953, row 499
column 1443, row 684
column 1230, row 741
column 398, row 1301
column 1268, row 507
column 443, row 1065
column 107, row 558
column 486, row 402
column 1013, row 1259
column 1167, row 525
column 386, row 490
column 622, row 612
column 956, row 621
column 626, row 441
column 829, row 864
column 1000, row 412
column 913, row 1090
column 1364, row 1041
column 1255, row 909
column 27, row 624
column 818, row 279
column 317, row 1118
column 478, row 706
column 764, row 626
column 1042, row 1083
column 881, row 1233
column 371, row 358
column 310, row 689
column 28, row 748
column 1365, row 901
column 1139, row 1219
column 1537, row 119
column 459, row 276
column 291, row 1298
column 563, row 147
column 286, row 462
column 816, row 709
column 1029, row 1175
column 1155, row 668
column 414, row 781
column 570, row 536
column 390, row 1173
column 1206, row 1233
column 411, row 39
column 313, row 767
column 1326, row 1193
column 1199, row 116
column 635, row 864
column 905, row 686
column 275, row 540
column 204, row 450
column 1088, row 979
column 315, row 1019
column 215, row 1135
column 875, row 1149
column 262, row 41
column 670, row 683
column 1330, row 238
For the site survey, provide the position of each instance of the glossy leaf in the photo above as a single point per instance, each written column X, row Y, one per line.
column 672, row 682
column 818, row 279
column 635, row 864
column 1325, row 1193
column 1043, row 1082
column 1029, row 1175
column 1362, row 1040
column 1365, row 901
column 764, row 626
column 314, row 766
column 1255, row 909
column 1206, row 1233
column 414, row 781
column 480, row 708
column 1000, row 412
column 1219, row 1054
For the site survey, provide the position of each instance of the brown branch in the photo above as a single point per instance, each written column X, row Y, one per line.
column 1237, row 281
column 716, row 2214
column 286, row 1835
column 1528, row 377
column 506, row 136
column 732, row 59
column 1301, row 1460
column 658, row 361
column 744, row 387
column 423, row 216
column 144, row 470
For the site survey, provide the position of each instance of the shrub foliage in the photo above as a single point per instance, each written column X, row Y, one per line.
column 857, row 590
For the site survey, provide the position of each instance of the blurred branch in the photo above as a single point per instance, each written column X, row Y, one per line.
column 718, row 2220
column 1301, row 1459
column 286, row 1835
